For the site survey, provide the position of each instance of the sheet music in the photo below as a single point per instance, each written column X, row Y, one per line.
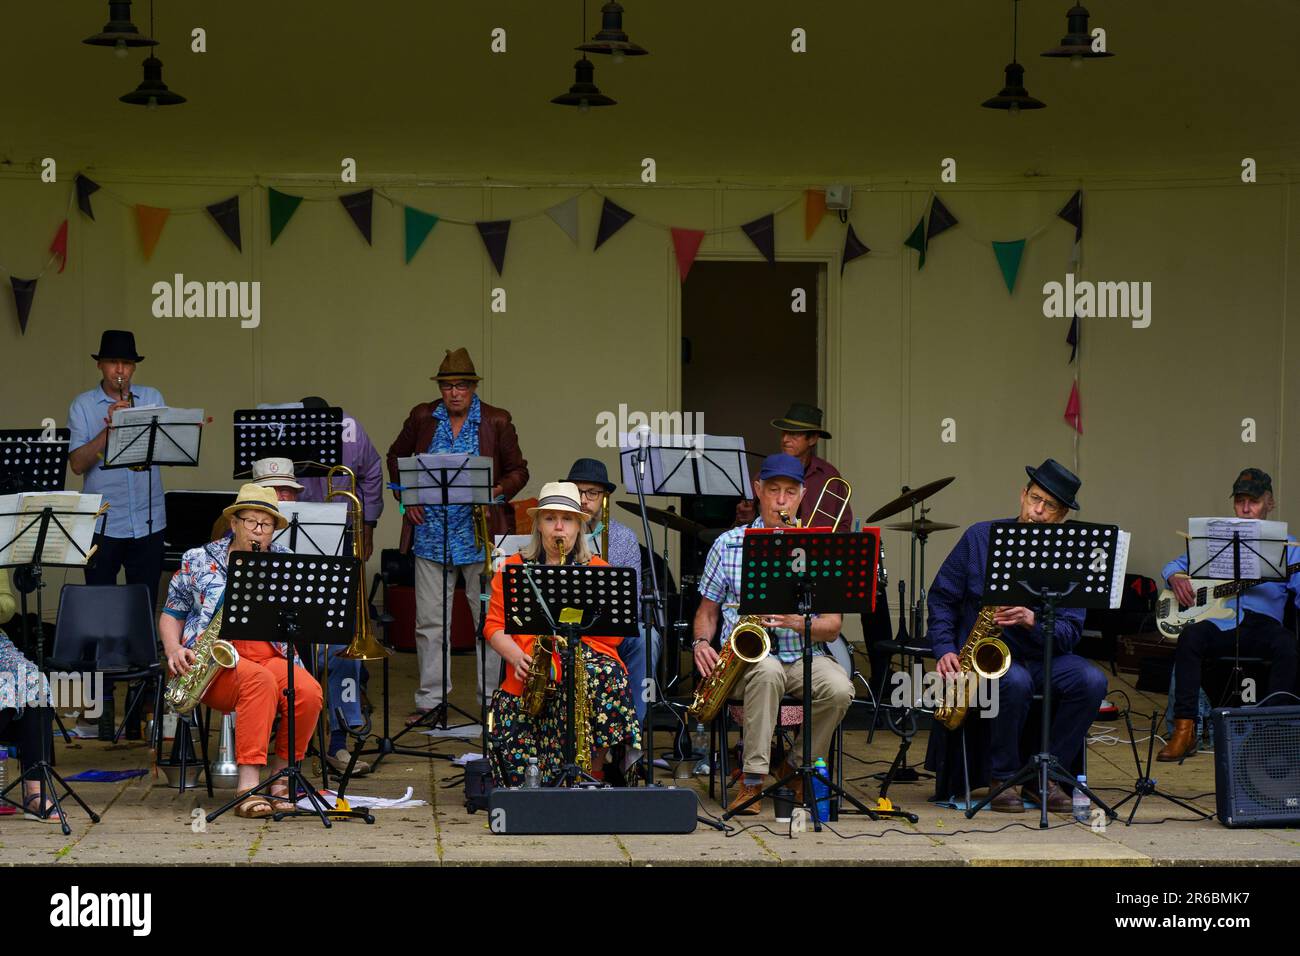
column 321, row 527
column 1121, row 568
column 674, row 461
column 469, row 479
column 80, row 524
column 1263, row 548
column 128, row 442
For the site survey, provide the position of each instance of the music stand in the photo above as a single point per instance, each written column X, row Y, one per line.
column 312, row 438
column 24, row 550
column 808, row 571
column 1069, row 564
column 445, row 481
column 1145, row 784
column 276, row 597
column 33, row 459
column 569, row 600
column 149, row 436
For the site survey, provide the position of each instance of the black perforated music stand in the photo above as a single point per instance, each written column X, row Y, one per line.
column 312, row 438
column 33, row 459
column 295, row 599
column 569, row 600
column 1049, row 566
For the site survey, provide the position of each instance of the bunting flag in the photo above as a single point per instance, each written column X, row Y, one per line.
column 495, row 234
column 762, row 233
column 59, row 247
column 85, row 189
column 613, row 217
column 1008, row 255
column 854, row 248
column 686, row 243
column 1072, row 212
column 361, row 207
column 1072, row 339
column 814, row 210
column 282, row 207
column 941, row 220
column 917, row 241
column 1073, row 409
column 418, row 226
column 565, row 215
column 226, row 215
column 149, row 222
column 24, row 290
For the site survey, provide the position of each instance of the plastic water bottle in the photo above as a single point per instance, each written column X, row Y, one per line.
column 1081, row 804
column 700, row 748
column 533, row 775
column 821, row 791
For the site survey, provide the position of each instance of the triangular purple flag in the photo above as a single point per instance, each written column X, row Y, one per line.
column 613, row 217
column 1072, row 212
column 495, row 234
column 853, row 248
column 940, row 220
column 85, row 188
column 360, row 207
column 1072, row 338
column 226, row 215
column 24, row 290
column 762, row 233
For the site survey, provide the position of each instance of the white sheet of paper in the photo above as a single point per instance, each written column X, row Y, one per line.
column 321, row 527
column 1121, row 568
column 128, row 446
column 80, row 524
column 1263, row 551
column 472, row 484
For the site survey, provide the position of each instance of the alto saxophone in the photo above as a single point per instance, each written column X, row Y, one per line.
column 983, row 655
column 539, row 671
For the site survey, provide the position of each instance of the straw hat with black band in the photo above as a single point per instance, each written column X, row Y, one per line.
column 257, row 498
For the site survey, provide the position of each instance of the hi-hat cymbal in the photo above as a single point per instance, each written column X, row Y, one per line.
column 669, row 519
column 921, row 526
column 909, row 497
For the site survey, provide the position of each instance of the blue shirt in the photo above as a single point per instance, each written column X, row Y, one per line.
column 459, row 519
column 954, row 603
column 720, row 583
column 1268, row 597
column 125, row 491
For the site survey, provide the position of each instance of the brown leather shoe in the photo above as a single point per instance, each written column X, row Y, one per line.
column 1182, row 743
column 1058, row 801
column 744, row 793
column 1008, row 801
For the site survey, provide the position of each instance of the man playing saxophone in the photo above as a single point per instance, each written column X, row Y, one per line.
column 1077, row 685
column 779, row 490
column 254, row 688
column 516, row 734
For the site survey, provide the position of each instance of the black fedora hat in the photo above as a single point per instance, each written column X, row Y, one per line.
column 1057, row 480
column 802, row 418
column 116, row 344
column 591, row 472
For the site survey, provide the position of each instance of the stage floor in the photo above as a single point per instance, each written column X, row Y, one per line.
column 145, row 822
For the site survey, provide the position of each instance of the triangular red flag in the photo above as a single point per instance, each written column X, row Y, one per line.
column 1073, row 410
column 59, row 247
column 686, row 243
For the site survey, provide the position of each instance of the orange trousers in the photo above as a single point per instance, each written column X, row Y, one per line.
column 254, row 690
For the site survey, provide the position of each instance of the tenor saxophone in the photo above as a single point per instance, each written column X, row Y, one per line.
column 983, row 655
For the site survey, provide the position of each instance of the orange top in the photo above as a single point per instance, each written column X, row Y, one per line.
column 496, row 621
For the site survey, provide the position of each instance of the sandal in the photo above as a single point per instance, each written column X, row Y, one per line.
column 46, row 815
column 280, row 800
column 248, row 809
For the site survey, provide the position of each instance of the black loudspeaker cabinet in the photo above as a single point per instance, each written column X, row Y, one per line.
column 1257, row 766
column 588, row 810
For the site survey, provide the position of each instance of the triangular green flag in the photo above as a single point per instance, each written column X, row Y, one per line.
column 917, row 241
column 418, row 226
column 283, row 206
column 1009, row 254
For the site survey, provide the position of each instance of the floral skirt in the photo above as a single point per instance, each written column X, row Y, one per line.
column 516, row 736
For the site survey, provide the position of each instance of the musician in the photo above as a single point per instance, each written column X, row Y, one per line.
column 26, row 717
column 1261, row 634
column 459, row 422
column 360, row 456
column 125, row 540
column 1078, row 686
column 273, row 473
column 801, row 428
column 516, row 734
column 254, row 688
column 779, row 488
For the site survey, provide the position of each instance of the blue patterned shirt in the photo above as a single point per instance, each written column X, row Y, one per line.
column 720, row 583
column 458, row 518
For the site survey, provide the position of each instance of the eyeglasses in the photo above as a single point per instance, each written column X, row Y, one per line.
column 255, row 524
column 592, row 494
column 1038, row 501
column 455, row 386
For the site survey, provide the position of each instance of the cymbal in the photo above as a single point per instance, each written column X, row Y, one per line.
column 909, row 497
column 669, row 519
column 922, row 526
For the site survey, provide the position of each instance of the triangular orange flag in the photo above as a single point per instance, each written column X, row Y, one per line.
column 814, row 208
column 59, row 247
column 686, row 243
column 150, row 221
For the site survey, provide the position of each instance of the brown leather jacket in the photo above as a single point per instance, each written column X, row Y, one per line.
column 497, row 440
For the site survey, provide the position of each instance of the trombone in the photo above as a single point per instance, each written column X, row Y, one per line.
column 834, row 523
column 365, row 646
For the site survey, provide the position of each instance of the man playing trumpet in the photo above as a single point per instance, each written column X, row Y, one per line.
column 254, row 688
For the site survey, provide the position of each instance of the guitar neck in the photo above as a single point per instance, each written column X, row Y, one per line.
column 1236, row 587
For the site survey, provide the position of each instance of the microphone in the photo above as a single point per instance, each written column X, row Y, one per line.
column 642, row 433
